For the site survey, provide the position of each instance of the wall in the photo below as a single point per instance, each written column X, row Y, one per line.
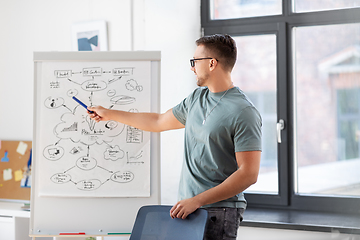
column 172, row 27
column 41, row 25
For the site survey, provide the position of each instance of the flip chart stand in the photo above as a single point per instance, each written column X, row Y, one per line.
column 76, row 167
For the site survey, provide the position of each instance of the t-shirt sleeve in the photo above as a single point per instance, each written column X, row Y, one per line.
column 181, row 110
column 247, row 135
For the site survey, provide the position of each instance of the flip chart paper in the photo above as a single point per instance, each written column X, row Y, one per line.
column 79, row 157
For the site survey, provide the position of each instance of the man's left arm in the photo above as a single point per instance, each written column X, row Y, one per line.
column 241, row 179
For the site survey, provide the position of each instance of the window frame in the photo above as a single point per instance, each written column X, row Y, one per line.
column 282, row 26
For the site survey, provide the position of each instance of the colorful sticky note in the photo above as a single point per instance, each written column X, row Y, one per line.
column 7, row 174
column 18, row 175
column 22, row 148
column 5, row 158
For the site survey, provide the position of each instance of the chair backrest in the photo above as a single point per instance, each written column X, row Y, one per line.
column 154, row 223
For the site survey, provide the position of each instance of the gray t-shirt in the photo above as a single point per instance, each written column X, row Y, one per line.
column 234, row 125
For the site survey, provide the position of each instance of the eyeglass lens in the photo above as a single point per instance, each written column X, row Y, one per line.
column 192, row 61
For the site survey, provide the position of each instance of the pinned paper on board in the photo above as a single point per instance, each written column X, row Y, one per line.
column 26, row 181
column 5, row 158
column 7, row 174
column 18, row 175
column 21, row 148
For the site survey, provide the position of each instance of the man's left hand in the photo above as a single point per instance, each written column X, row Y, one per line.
column 183, row 208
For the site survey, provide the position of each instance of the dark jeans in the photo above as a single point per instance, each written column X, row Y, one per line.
column 223, row 223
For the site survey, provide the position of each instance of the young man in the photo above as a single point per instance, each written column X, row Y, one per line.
column 222, row 138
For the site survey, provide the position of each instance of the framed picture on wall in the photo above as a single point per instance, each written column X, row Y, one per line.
column 89, row 36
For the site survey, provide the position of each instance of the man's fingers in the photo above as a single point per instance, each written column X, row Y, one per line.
column 178, row 212
column 182, row 214
column 93, row 114
column 181, row 209
column 174, row 211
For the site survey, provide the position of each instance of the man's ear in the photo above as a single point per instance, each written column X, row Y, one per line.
column 212, row 64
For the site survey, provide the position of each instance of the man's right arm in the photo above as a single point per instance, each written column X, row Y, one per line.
column 152, row 122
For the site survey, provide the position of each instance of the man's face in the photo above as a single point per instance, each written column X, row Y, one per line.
column 201, row 68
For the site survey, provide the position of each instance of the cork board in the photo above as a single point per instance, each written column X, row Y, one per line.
column 15, row 179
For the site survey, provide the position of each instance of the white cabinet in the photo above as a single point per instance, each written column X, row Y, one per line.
column 7, row 228
column 14, row 222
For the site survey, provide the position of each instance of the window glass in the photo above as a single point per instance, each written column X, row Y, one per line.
column 230, row 9
column 255, row 74
column 322, row 5
column 328, row 109
column 348, row 118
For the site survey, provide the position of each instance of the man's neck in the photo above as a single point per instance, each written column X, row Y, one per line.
column 220, row 83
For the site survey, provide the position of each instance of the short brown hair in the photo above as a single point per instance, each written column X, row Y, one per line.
column 222, row 47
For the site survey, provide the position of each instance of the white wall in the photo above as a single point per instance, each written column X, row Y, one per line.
column 44, row 25
column 172, row 27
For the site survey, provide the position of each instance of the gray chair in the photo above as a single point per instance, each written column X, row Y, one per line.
column 154, row 223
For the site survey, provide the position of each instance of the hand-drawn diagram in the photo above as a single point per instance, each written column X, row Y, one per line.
column 80, row 155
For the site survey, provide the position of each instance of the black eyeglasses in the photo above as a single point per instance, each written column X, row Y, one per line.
column 192, row 61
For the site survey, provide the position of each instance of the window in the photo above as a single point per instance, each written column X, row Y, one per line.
column 323, row 5
column 299, row 62
column 327, row 109
column 226, row 9
column 258, row 80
